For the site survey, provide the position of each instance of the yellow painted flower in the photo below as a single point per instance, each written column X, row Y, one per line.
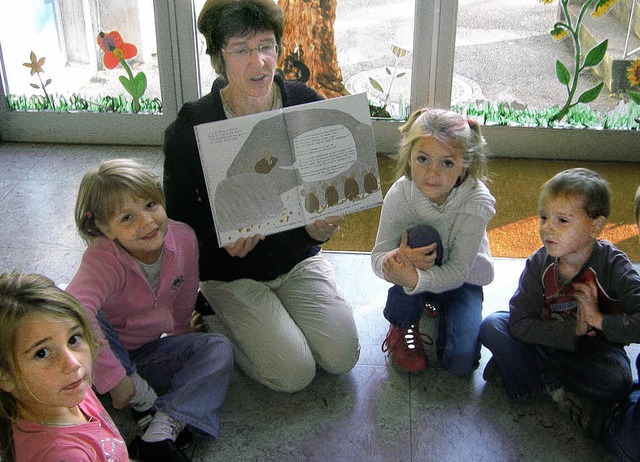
column 398, row 51
column 545, row 1
column 633, row 73
column 603, row 7
column 558, row 33
column 35, row 64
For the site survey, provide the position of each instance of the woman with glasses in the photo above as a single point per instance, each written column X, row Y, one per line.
column 274, row 297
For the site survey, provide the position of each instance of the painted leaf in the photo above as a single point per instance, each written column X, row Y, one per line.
column 140, row 83
column 374, row 83
column 126, row 83
column 563, row 74
column 596, row 54
column 591, row 94
column 635, row 96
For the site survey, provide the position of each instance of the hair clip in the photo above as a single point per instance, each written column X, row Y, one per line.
column 88, row 214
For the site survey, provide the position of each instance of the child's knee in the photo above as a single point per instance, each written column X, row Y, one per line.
column 621, row 385
column 492, row 328
column 461, row 364
column 218, row 347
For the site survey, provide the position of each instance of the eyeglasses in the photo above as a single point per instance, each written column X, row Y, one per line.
column 244, row 52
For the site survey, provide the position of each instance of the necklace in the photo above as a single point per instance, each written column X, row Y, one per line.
column 230, row 113
column 58, row 424
column 67, row 424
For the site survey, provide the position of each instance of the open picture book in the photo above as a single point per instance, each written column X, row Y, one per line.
column 282, row 169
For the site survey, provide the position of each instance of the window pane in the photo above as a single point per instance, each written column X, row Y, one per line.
column 505, row 53
column 372, row 39
column 207, row 74
column 67, row 67
column 375, row 41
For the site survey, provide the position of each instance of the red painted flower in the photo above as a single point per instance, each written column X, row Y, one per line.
column 115, row 49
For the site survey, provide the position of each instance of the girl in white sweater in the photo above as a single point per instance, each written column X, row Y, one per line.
column 432, row 241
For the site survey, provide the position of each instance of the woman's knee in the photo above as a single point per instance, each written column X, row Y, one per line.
column 343, row 362
column 289, row 380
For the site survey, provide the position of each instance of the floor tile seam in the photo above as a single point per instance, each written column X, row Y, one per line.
column 41, row 157
column 411, row 452
column 47, row 147
column 23, row 245
column 10, row 191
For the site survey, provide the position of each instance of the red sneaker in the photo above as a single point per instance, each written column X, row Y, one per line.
column 405, row 347
column 430, row 309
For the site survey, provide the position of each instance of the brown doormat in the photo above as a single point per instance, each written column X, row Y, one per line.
column 513, row 233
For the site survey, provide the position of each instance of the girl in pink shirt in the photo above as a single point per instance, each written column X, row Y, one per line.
column 47, row 409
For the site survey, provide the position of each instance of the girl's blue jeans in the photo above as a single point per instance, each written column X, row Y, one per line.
column 458, row 314
column 601, row 374
column 193, row 370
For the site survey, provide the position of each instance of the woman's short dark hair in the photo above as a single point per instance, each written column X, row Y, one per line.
column 219, row 20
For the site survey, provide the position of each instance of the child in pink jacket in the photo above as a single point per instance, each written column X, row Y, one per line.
column 139, row 280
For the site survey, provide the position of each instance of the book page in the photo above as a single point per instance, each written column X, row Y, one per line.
column 282, row 169
column 336, row 160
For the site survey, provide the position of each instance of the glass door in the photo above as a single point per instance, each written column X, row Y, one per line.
column 94, row 71
column 75, row 96
column 506, row 57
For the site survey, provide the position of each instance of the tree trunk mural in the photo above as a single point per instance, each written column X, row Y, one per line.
column 308, row 46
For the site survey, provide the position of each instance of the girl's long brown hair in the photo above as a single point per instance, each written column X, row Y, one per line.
column 23, row 295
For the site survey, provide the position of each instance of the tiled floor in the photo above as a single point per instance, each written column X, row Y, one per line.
column 372, row 413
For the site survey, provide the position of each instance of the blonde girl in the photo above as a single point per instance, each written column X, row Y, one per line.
column 139, row 281
column 432, row 241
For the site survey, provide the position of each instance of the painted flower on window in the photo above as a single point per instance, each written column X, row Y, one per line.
column 381, row 110
column 36, row 68
column 117, row 51
column 603, row 7
column 633, row 73
column 35, row 64
column 633, row 76
column 568, row 27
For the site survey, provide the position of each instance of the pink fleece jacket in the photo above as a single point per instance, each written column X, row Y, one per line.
column 110, row 279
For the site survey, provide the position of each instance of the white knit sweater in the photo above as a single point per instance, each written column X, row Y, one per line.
column 461, row 222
